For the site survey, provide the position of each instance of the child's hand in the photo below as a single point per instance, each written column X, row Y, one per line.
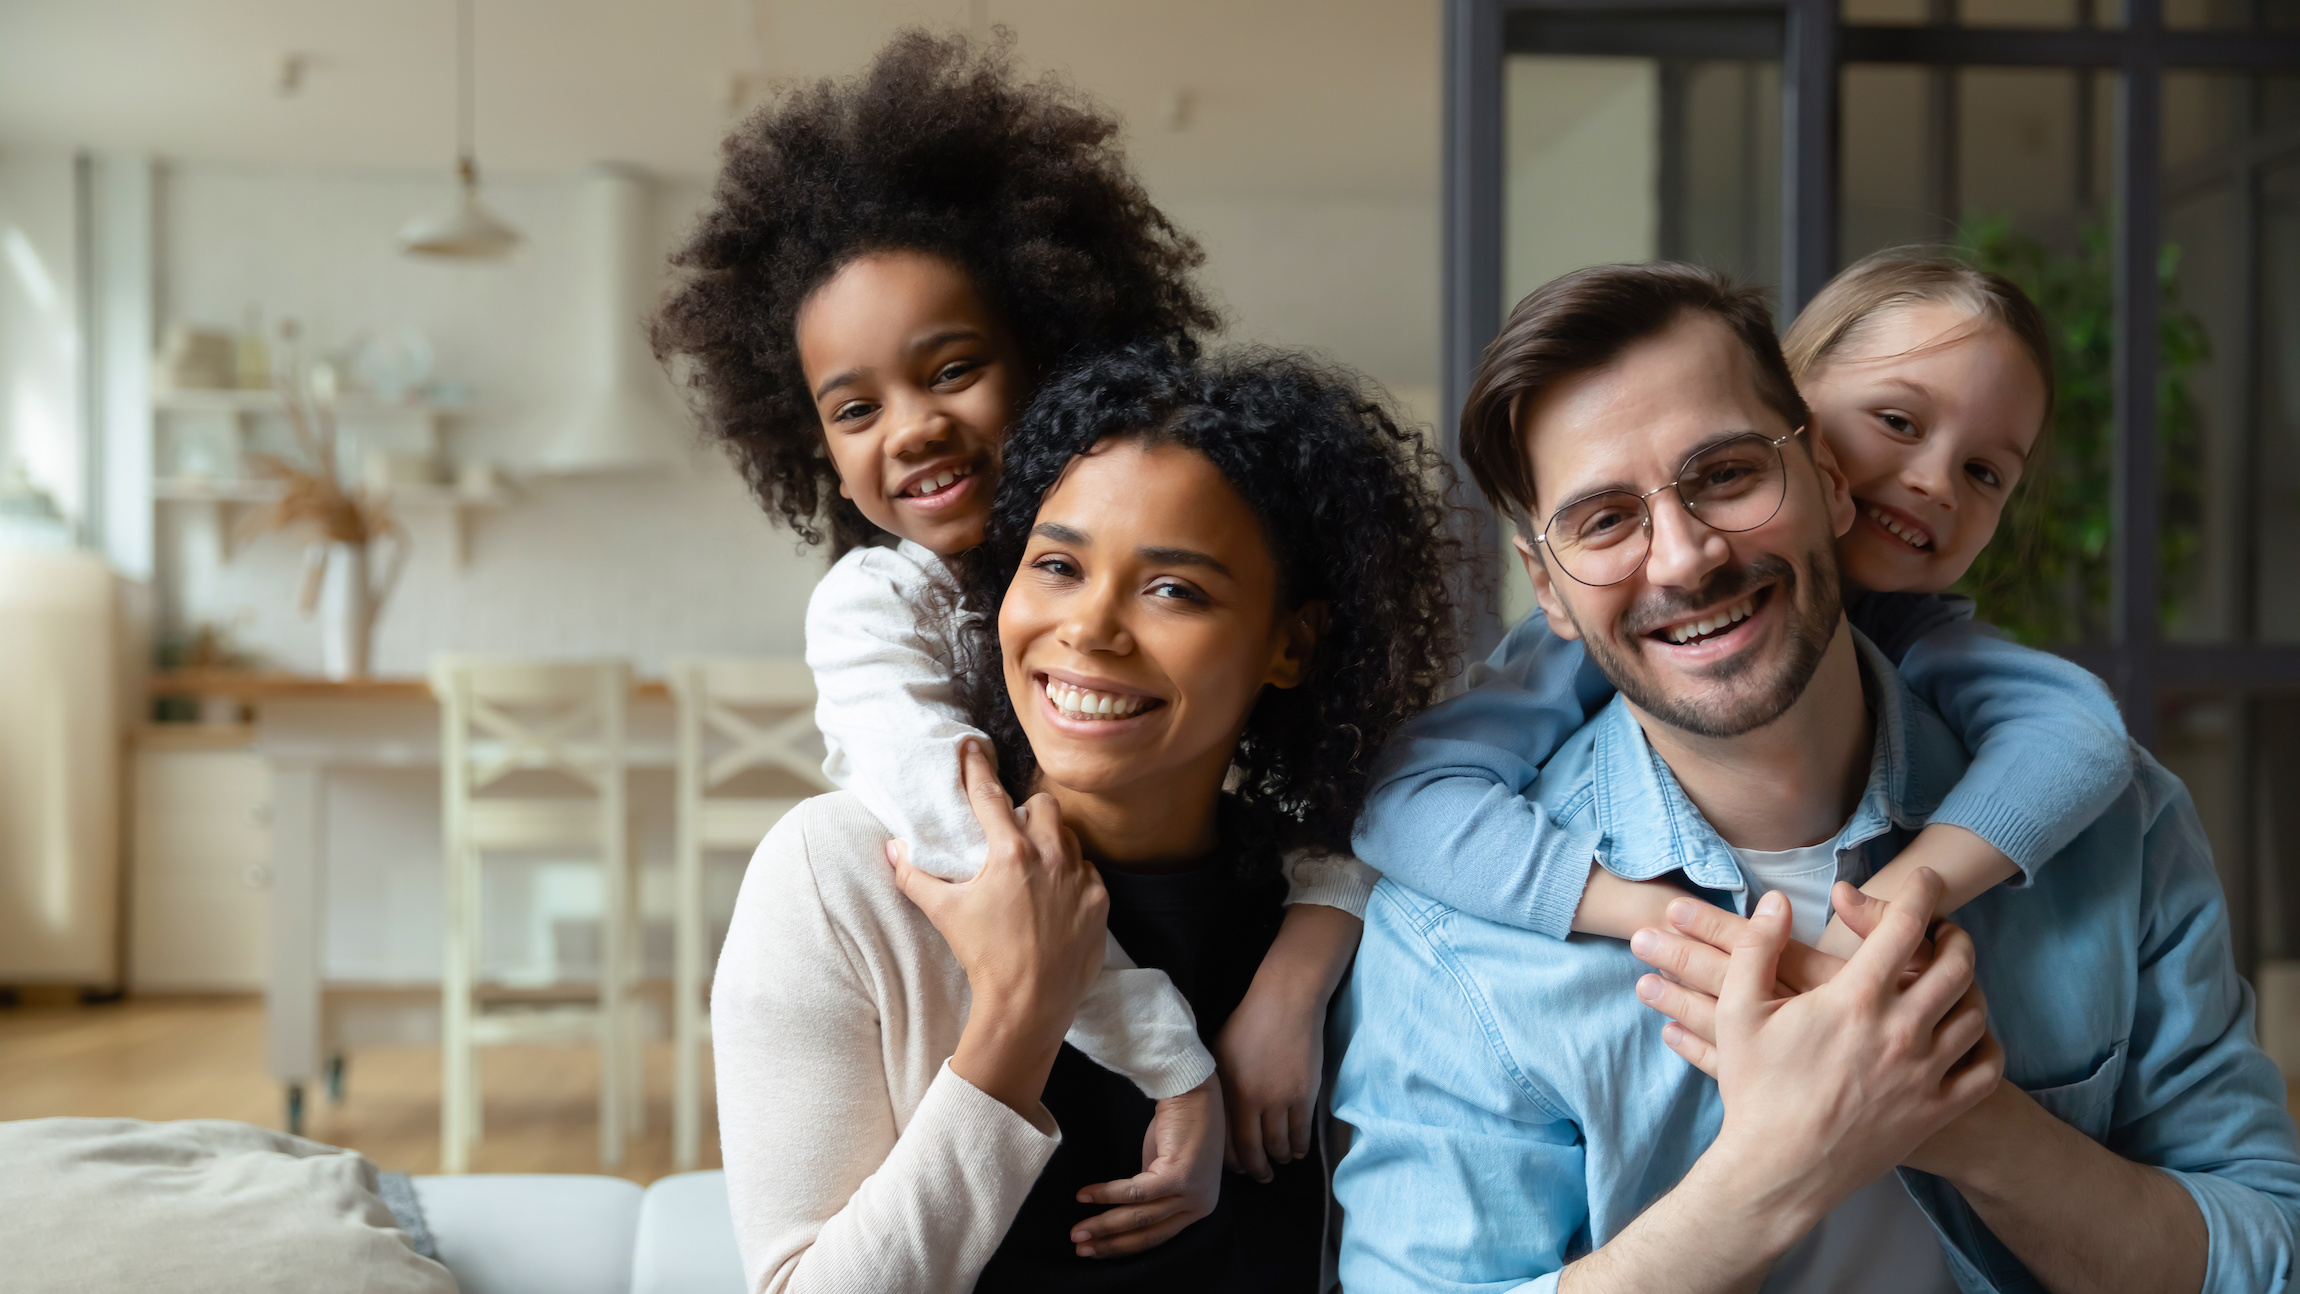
column 1839, row 940
column 1180, row 1180
column 1270, row 1055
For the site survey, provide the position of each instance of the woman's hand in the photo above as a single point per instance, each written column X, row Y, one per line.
column 1028, row 930
column 1180, row 1180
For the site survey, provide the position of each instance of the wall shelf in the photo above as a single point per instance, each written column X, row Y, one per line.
column 220, row 492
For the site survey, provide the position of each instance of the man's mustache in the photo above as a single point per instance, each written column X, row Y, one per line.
column 1728, row 584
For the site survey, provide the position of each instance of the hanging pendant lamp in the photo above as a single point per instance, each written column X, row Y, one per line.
column 471, row 231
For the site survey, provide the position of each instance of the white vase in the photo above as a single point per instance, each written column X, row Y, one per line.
column 346, row 613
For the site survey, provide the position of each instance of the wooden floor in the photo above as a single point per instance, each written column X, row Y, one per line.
column 203, row 1058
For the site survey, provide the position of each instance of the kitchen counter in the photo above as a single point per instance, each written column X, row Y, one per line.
column 254, row 687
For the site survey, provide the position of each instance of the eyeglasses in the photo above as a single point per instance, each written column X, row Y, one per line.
column 1734, row 485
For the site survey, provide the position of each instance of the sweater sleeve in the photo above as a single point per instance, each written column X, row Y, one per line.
column 1447, row 812
column 828, row 1194
column 888, row 705
column 1329, row 880
column 887, row 702
column 2049, row 750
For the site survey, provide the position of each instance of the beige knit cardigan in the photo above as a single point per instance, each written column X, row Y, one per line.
column 856, row 1161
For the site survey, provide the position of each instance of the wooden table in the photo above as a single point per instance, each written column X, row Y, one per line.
column 309, row 729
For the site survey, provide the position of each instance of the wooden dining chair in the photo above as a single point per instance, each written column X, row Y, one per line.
column 511, row 730
column 747, row 754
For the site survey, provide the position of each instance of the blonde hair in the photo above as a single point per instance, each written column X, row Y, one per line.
column 1904, row 276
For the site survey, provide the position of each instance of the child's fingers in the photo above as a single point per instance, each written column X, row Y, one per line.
column 1278, row 1135
column 1134, row 1239
column 1252, row 1148
column 1304, row 1125
column 1904, row 925
column 1149, row 1184
column 1698, row 1052
column 1858, row 911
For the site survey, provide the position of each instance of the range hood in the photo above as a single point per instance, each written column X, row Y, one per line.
column 626, row 417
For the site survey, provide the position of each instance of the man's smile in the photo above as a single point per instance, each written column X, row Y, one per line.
column 1722, row 629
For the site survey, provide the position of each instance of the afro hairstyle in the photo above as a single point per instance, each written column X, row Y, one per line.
column 937, row 147
column 1355, row 508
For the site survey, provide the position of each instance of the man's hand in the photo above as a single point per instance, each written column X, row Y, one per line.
column 1694, row 953
column 1829, row 1088
column 1180, row 1180
column 2078, row 1215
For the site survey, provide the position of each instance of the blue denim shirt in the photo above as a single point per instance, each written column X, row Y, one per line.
column 1448, row 812
column 1512, row 1105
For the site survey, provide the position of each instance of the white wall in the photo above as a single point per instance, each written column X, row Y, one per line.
column 1353, row 278
column 639, row 565
column 40, row 326
column 642, row 565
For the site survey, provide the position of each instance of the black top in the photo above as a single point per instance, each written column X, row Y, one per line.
column 1207, row 928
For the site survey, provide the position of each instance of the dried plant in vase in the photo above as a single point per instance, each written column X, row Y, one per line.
column 339, row 526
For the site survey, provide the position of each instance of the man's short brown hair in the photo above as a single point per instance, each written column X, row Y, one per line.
column 1583, row 321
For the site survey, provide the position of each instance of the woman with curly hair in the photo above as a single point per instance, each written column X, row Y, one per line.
column 1217, row 588
column 888, row 267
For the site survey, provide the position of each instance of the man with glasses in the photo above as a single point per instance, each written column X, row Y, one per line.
column 2102, row 1119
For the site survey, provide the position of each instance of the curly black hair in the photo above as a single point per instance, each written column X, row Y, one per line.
column 1355, row 509
column 937, row 148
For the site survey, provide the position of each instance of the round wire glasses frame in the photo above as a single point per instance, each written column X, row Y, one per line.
column 1733, row 485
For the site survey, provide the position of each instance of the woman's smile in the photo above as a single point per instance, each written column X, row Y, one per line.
column 1092, row 707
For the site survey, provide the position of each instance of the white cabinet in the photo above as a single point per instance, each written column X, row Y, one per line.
column 59, row 770
column 200, row 875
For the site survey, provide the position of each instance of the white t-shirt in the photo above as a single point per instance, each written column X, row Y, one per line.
column 1877, row 1241
column 1804, row 876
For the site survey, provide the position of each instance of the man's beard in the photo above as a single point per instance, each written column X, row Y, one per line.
column 1815, row 606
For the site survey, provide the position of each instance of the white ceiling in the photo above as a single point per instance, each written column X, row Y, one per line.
column 1293, row 98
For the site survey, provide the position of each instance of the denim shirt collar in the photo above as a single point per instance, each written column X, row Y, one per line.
column 1649, row 828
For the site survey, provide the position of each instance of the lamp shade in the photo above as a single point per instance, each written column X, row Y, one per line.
column 470, row 232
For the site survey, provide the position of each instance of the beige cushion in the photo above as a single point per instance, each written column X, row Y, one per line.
column 190, row 1207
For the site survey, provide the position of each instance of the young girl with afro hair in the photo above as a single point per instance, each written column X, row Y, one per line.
column 888, row 268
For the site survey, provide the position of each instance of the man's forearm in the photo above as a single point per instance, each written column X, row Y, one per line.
column 1708, row 1235
column 2077, row 1215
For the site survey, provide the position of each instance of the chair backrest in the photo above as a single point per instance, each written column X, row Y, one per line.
column 502, row 716
column 748, row 713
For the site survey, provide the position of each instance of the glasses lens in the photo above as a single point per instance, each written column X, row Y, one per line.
column 1601, row 539
column 1735, row 486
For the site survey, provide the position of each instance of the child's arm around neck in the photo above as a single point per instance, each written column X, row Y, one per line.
column 2049, row 751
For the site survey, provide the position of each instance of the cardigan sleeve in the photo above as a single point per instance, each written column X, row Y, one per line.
column 828, row 1191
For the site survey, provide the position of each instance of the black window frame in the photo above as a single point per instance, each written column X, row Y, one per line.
column 2137, row 662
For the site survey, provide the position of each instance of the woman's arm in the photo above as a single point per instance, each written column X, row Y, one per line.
column 1028, row 930
column 831, row 1187
column 888, row 706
